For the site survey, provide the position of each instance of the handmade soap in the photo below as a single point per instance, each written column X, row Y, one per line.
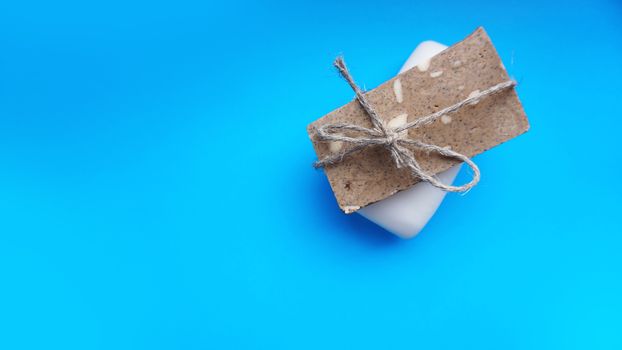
column 456, row 74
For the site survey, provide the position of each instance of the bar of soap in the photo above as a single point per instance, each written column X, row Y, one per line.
column 406, row 213
column 369, row 182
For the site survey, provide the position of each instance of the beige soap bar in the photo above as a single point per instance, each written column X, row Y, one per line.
column 465, row 68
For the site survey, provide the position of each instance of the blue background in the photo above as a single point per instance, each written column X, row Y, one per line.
column 156, row 189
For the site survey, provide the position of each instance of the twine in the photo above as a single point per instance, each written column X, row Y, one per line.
column 393, row 139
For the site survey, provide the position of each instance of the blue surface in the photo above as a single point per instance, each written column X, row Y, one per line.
column 156, row 189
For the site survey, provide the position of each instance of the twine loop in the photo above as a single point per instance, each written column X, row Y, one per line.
column 396, row 139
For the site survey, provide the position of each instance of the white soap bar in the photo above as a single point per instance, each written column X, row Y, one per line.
column 407, row 212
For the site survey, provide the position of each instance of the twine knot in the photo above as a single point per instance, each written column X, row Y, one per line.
column 391, row 138
column 395, row 139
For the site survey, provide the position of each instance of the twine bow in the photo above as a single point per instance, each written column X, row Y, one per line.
column 396, row 139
